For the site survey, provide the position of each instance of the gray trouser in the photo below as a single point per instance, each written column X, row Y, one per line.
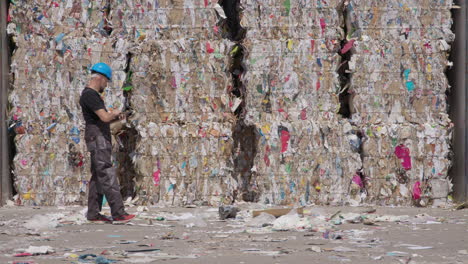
column 104, row 179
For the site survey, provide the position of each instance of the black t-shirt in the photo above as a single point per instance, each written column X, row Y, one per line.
column 90, row 102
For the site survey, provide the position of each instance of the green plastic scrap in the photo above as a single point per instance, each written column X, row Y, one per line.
column 234, row 51
column 351, row 32
column 127, row 88
column 287, row 5
column 259, row 88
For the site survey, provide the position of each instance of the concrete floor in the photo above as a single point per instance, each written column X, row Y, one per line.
column 428, row 236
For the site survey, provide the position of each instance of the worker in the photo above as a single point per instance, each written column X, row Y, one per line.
column 98, row 141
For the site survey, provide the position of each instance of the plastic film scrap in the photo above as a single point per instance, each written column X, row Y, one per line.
column 398, row 86
column 173, row 59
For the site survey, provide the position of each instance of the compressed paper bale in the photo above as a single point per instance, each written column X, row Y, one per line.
column 297, row 68
column 58, row 17
column 210, row 140
column 400, row 108
column 317, row 155
column 367, row 47
column 421, row 168
column 383, row 167
column 397, row 16
column 172, row 20
column 319, row 55
column 394, row 84
column 322, row 107
column 391, row 4
column 186, row 18
column 292, row 82
column 440, row 188
column 180, row 190
column 386, row 192
column 181, row 82
column 376, row 118
column 290, row 93
column 294, row 4
column 390, row 191
column 422, row 55
column 283, row 189
column 279, row 19
column 298, row 64
column 394, row 23
column 419, row 63
column 180, row 98
column 422, row 83
column 48, row 195
column 434, row 167
column 422, row 140
column 318, row 151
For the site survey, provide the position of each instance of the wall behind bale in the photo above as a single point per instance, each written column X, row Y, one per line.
column 282, row 102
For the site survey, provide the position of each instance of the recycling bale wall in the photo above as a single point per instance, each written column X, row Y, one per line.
column 238, row 100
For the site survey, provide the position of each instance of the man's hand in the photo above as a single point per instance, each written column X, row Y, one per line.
column 121, row 115
column 108, row 117
column 116, row 113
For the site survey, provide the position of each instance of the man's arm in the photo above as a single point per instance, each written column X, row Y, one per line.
column 107, row 117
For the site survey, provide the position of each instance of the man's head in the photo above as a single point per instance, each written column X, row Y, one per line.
column 98, row 82
column 101, row 75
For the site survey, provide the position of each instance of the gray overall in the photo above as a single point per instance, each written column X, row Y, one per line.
column 104, row 178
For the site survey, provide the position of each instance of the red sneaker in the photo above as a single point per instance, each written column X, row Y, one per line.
column 101, row 219
column 124, row 218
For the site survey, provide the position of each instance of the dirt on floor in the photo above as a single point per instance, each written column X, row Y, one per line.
column 198, row 235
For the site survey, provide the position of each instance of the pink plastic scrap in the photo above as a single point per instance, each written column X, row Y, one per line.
column 284, row 140
column 357, row 180
column 347, row 46
column 417, row 191
column 403, row 153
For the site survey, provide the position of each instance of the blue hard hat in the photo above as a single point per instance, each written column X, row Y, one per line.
column 103, row 69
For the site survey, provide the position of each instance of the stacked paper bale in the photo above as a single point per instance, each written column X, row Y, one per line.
column 401, row 159
column 57, row 42
column 181, row 107
column 304, row 153
column 398, row 86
